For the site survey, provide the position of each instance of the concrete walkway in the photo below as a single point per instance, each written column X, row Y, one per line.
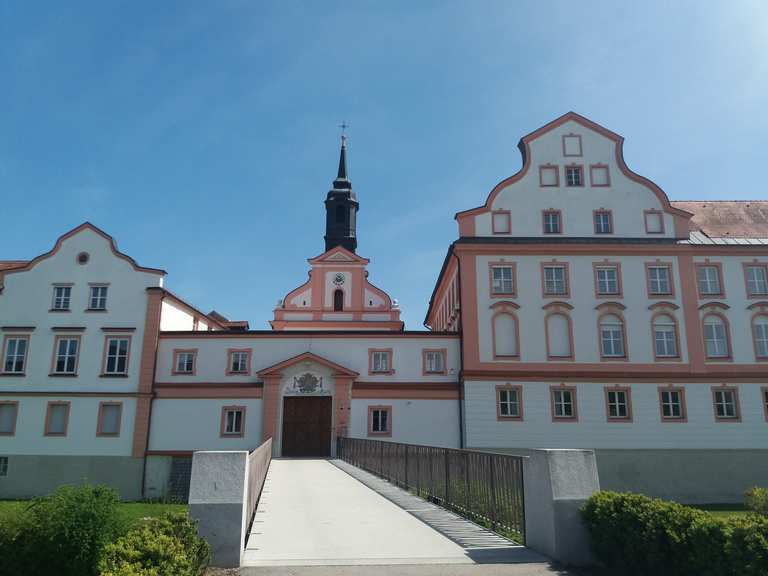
column 312, row 513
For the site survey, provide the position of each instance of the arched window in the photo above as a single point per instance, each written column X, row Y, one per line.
column 665, row 337
column 338, row 300
column 716, row 337
column 558, row 330
column 612, row 343
column 341, row 213
column 505, row 336
column 760, row 335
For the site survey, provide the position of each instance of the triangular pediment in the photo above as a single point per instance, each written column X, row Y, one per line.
column 277, row 369
column 336, row 255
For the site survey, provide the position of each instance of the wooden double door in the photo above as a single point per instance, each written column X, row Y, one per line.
column 307, row 422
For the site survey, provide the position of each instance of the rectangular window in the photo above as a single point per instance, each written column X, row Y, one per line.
column 15, row 359
column 607, row 280
column 116, row 358
column 654, row 222
column 184, row 361
column 552, row 222
column 57, row 419
column 381, row 361
column 599, row 176
column 709, row 281
column 3, row 466
column 612, row 339
column 672, row 403
column 110, row 415
column 757, row 280
column 564, row 403
column 239, row 361
column 549, row 176
column 665, row 340
column 509, row 402
column 9, row 411
column 555, row 281
column 764, row 392
column 502, row 280
column 232, row 420
column 726, row 404
column 760, row 334
column 501, row 222
column 434, row 361
column 574, row 176
column 62, row 296
column 715, row 338
column 571, row 145
column 618, row 403
column 603, row 222
column 659, row 280
column 98, row 298
column 380, row 420
column 66, row 354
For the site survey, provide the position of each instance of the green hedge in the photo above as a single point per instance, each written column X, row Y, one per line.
column 635, row 535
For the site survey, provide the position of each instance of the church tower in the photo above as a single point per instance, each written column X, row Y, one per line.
column 341, row 208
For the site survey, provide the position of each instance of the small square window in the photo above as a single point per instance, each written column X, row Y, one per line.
column 509, row 402
column 654, row 222
column 726, row 404
column 184, row 362
column 599, row 176
column 98, row 298
column 57, row 419
column 555, row 280
column 379, row 420
column 62, row 296
column 672, row 402
column 552, row 222
column 502, row 280
column 15, row 359
column 603, row 222
column 232, row 421
column 571, row 145
column 659, row 280
column 380, row 361
column 618, row 404
column 116, row 357
column 434, row 362
column 756, row 279
column 563, row 403
column 66, row 349
column 709, row 281
column 501, row 222
column 110, row 415
column 549, row 176
column 607, row 281
column 574, row 176
column 238, row 361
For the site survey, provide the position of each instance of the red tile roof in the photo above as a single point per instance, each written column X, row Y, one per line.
column 8, row 264
column 728, row 218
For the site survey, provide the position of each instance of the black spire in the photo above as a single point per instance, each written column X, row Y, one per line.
column 341, row 208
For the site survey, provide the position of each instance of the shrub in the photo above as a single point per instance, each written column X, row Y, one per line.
column 166, row 546
column 756, row 499
column 636, row 535
column 67, row 529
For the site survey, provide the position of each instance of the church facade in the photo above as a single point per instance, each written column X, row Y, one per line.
column 578, row 308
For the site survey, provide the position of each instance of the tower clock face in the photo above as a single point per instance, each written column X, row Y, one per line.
column 338, row 279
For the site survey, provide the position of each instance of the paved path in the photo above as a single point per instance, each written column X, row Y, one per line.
column 313, row 513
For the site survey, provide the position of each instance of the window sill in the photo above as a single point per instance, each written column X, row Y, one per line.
column 113, row 375
column 509, row 418
column 61, row 375
column 95, row 310
column 59, row 310
column 564, row 419
column 244, row 373
column 379, row 434
column 381, row 373
column 231, row 436
column 182, row 373
column 107, row 435
column 22, row 374
column 625, row 420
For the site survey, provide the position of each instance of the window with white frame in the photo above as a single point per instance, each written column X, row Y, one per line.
column 607, row 278
column 618, row 404
column 555, row 281
column 665, row 336
column 715, row 337
column 185, row 362
column 98, row 298
column 659, row 280
column 8, row 413
column 503, row 280
column 379, row 420
column 110, row 415
column 66, row 355
column 726, row 405
column 603, row 222
column 380, row 361
column 672, row 404
column 509, row 402
column 238, row 362
column 757, row 280
column 563, row 403
column 434, row 361
column 552, row 222
column 116, row 361
column 709, row 280
column 15, row 359
column 574, row 176
column 234, row 417
column 612, row 336
column 760, row 334
column 62, row 297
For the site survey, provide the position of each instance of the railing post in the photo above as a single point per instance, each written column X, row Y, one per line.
column 493, row 495
column 406, row 466
column 446, row 499
column 381, row 459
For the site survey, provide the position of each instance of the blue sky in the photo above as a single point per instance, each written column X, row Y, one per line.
column 203, row 135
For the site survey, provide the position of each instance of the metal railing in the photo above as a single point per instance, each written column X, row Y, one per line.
column 484, row 487
column 258, row 465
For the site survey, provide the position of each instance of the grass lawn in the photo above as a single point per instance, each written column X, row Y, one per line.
column 131, row 511
column 724, row 510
